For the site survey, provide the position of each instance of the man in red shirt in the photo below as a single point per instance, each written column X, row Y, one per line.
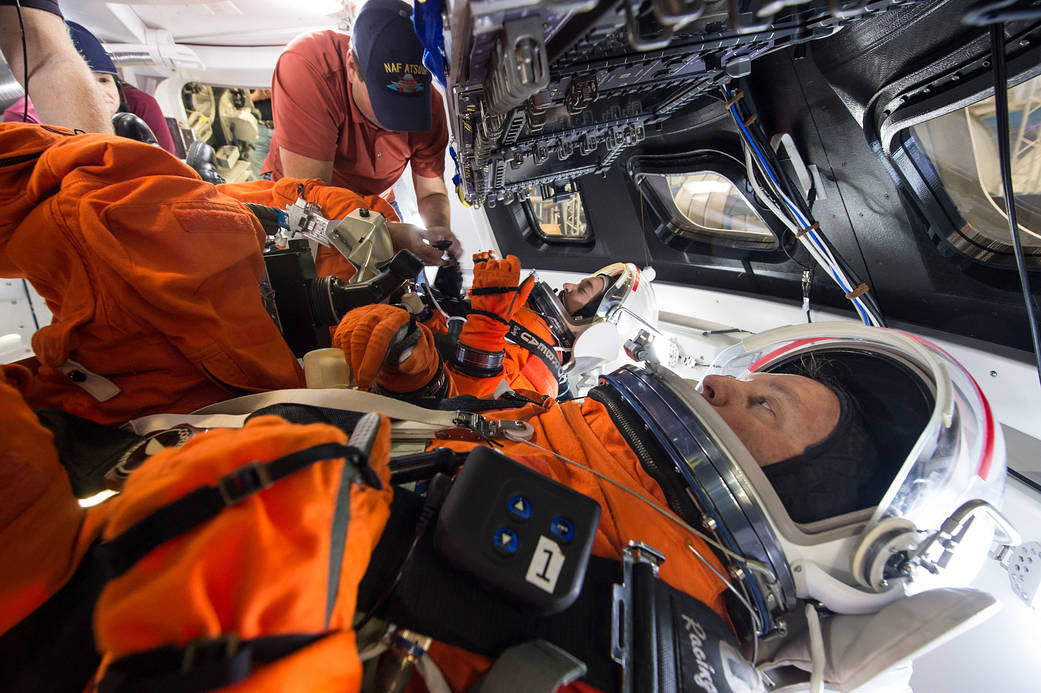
column 354, row 110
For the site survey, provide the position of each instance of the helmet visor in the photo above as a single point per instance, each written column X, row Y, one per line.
column 958, row 452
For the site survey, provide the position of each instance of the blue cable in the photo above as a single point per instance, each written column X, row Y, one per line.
column 798, row 215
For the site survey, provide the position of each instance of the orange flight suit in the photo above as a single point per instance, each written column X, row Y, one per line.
column 260, row 568
column 151, row 275
column 44, row 533
column 226, row 575
column 521, row 369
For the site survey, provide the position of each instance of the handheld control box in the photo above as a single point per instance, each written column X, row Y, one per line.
column 519, row 531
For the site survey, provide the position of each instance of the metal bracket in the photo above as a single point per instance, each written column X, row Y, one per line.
column 512, row 429
column 1023, row 564
column 636, row 552
column 520, row 65
column 953, row 530
column 306, row 220
column 640, row 349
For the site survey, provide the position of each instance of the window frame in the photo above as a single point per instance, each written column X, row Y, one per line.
column 641, row 167
column 539, row 238
column 925, row 102
column 946, row 223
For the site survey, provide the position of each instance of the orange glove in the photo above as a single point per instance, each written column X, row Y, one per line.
column 494, row 299
column 371, row 337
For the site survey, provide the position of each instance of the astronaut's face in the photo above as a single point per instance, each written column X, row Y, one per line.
column 108, row 91
column 776, row 416
column 575, row 297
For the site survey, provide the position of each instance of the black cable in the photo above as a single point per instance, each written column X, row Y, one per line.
column 25, row 62
column 437, row 492
column 997, row 49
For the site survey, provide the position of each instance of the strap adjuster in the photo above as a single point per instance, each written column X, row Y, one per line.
column 513, row 429
column 243, row 482
column 206, row 650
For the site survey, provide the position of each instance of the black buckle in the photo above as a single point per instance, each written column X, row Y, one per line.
column 205, row 650
column 243, row 482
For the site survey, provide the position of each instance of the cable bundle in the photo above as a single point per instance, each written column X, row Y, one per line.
column 773, row 187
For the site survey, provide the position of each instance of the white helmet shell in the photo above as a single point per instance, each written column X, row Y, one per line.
column 958, row 455
column 950, row 451
column 626, row 304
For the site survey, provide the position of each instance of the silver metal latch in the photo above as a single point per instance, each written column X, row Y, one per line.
column 306, row 220
column 511, row 429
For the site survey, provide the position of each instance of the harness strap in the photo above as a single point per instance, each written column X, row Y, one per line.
column 528, row 340
column 488, row 314
column 205, row 503
column 411, row 422
column 349, row 400
column 202, row 665
column 491, row 290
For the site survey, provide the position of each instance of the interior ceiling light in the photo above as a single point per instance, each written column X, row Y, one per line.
column 323, row 7
column 704, row 187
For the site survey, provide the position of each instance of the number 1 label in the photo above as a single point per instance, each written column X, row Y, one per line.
column 545, row 565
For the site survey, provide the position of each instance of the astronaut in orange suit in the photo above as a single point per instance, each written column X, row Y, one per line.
column 517, row 334
column 150, row 273
column 773, row 431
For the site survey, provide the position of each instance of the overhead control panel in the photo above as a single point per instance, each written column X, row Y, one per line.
column 542, row 93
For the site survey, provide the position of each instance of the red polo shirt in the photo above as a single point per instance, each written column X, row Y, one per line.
column 315, row 116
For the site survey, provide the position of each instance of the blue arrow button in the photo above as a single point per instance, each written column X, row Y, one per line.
column 520, row 507
column 563, row 529
column 505, row 541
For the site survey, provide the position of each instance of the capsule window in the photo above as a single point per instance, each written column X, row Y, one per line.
column 557, row 214
column 959, row 150
column 706, row 206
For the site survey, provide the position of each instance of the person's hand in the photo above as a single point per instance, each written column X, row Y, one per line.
column 495, row 298
column 442, row 234
column 495, row 287
column 384, row 345
column 410, row 237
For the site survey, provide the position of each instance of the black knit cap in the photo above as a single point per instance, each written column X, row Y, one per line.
column 829, row 477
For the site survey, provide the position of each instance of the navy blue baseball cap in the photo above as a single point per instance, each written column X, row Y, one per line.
column 391, row 58
column 90, row 48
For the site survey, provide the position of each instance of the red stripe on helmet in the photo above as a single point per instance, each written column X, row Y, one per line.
column 987, row 458
column 785, row 349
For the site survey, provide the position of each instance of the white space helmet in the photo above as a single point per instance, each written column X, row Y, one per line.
column 625, row 306
column 937, row 438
